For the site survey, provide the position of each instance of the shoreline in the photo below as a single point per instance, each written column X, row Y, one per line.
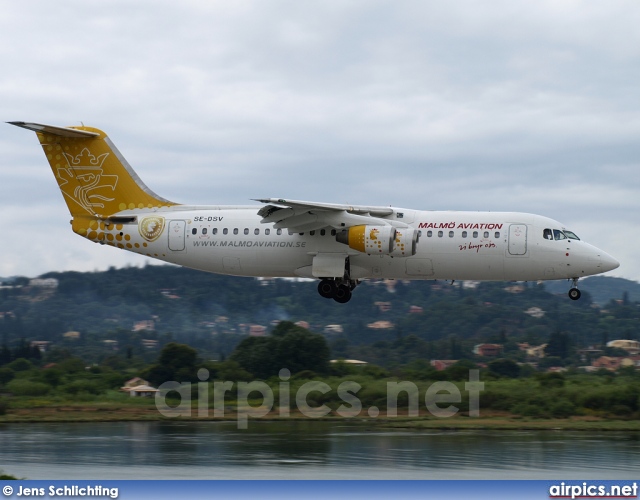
column 123, row 413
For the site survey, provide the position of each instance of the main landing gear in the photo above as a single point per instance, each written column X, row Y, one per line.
column 338, row 290
column 574, row 293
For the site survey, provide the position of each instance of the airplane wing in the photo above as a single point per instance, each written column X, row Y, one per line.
column 300, row 216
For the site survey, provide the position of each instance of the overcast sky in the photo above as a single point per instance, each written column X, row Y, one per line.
column 462, row 105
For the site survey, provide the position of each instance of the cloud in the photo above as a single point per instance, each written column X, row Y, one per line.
column 513, row 106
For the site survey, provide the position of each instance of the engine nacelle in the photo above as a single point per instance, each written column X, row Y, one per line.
column 406, row 242
column 372, row 240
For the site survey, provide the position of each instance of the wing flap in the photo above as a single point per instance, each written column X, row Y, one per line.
column 310, row 205
column 301, row 216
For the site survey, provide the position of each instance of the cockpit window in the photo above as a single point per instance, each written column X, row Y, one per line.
column 571, row 235
column 558, row 235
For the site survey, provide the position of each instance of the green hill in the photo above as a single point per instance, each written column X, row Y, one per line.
column 137, row 310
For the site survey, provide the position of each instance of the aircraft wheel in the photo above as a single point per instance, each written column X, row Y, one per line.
column 343, row 294
column 327, row 288
column 574, row 294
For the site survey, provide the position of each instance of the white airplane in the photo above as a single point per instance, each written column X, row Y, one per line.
column 338, row 244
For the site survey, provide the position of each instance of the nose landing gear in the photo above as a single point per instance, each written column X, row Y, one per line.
column 574, row 293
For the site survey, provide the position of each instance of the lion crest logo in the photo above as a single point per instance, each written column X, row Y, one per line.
column 84, row 181
column 151, row 228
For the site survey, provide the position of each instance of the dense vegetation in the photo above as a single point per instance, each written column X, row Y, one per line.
column 509, row 387
column 425, row 320
column 194, row 320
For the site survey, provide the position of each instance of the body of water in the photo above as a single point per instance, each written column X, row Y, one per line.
column 308, row 450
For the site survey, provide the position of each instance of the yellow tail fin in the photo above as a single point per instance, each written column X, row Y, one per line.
column 95, row 179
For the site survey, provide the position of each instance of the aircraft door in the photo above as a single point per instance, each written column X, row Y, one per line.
column 517, row 239
column 176, row 235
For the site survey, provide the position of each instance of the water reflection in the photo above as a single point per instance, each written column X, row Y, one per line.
column 308, row 449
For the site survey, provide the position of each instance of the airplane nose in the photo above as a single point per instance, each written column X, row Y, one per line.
column 602, row 261
column 608, row 262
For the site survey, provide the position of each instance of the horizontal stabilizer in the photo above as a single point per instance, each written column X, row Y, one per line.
column 59, row 131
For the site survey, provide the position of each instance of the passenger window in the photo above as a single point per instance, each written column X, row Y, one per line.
column 429, row 234
column 464, row 234
column 497, row 235
column 333, row 232
column 312, row 233
column 214, row 230
column 246, row 230
column 204, row 230
column 440, row 234
column 279, row 231
column 290, row 232
column 559, row 235
column 475, row 234
column 194, row 231
column 267, row 232
column 450, row 234
column 256, row 231
column 322, row 232
column 547, row 234
column 486, row 234
column 235, row 230
column 225, row 231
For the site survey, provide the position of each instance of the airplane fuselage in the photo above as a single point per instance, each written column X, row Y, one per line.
column 452, row 245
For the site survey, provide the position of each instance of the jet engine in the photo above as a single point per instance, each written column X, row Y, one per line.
column 406, row 242
column 380, row 240
column 372, row 240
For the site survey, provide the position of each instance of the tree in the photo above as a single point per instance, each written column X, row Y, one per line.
column 255, row 355
column 232, row 371
column 177, row 362
column 6, row 375
column 72, row 365
column 504, row 368
column 559, row 345
column 551, row 380
column 299, row 349
column 5, row 355
column 456, row 352
column 460, row 370
column 52, row 376
column 35, row 353
column 20, row 365
column 340, row 347
column 289, row 346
